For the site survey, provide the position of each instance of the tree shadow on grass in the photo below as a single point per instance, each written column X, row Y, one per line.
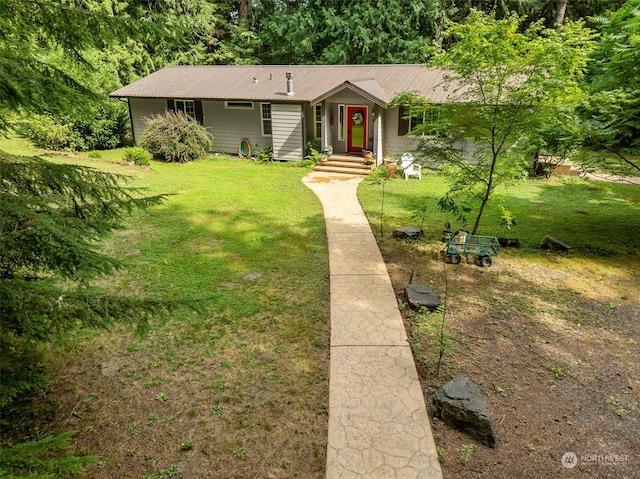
column 553, row 347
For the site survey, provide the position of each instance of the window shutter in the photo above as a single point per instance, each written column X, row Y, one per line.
column 403, row 123
column 198, row 105
column 171, row 105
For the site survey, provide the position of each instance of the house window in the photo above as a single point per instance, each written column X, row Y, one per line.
column 318, row 121
column 192, row 108
column 408, row 120
column 340, row 122
column 266, row 118
column 188, row 107
column 239, row 105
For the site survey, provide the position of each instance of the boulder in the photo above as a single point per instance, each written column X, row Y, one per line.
column 509, row 242
column 408, row 232
column 553, row 244
column 421, row 295
column 460, row 404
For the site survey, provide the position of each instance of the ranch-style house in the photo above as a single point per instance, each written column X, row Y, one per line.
column 346, row 107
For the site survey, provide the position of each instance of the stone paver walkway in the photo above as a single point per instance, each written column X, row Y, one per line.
column 378, row 422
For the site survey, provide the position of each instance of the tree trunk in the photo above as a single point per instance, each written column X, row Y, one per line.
column 487, row 194
column 485, row 199
column 243, row 12
column 561, row 9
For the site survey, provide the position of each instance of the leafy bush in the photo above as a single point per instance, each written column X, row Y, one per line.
column 101, row 128
column 104, row 127
column 314, row 157
column 137, row 155
column 176, row 137
column 313, row 145
column 308, row 164
column 265, row 154
column 94, row 154
column 45, row 132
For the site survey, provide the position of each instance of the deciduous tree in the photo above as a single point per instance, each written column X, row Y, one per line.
column 613, row 110
column 502, row 84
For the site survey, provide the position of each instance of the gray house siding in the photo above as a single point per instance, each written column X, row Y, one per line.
column 288, row 131
column 230, row 126
column 394, row 144
column 141, row 109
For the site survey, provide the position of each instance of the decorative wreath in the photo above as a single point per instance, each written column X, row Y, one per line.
column 358, row 117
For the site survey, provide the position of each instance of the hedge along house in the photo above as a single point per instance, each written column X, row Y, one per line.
column 345, row 107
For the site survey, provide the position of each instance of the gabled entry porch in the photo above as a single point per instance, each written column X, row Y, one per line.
column 351, row 118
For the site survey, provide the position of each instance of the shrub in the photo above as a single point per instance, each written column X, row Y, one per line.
column 46, row 132
column 313, row 145
column 265, row 154
column 102, row 127
column 139, row 156
column 314, row 157
column 176, row 137
column 94, row 154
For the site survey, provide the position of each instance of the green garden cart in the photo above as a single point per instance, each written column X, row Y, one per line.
column 483, row 248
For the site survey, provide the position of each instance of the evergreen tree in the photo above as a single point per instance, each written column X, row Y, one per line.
column 34, row 35
column 129, row 37
column 368, row 31
column 52, row 218
column 346, row 32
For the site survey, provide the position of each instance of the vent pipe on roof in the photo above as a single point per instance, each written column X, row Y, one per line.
column 289, row 84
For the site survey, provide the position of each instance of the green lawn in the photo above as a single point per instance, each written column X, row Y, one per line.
column 239, row 389
column 592, row 217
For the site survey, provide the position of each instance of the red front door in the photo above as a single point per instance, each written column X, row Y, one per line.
column 356, row 128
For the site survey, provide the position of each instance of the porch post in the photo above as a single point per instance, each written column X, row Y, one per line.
column 324, row 128
column 378, row 129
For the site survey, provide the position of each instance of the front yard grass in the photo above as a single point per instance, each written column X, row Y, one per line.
column 239, row 389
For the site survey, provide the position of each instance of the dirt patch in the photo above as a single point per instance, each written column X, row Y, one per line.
column 551, row 341
column 328, row 178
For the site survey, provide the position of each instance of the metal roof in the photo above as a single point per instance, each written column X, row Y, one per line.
column 311, row 83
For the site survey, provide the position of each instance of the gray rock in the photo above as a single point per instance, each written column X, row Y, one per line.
column 460, row 404
column 408, row 232
column 554, row 244
column 420, row 295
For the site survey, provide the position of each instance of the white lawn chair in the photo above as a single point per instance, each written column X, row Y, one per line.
column 410, row 168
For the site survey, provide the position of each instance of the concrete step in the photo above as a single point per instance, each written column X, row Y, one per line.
column 364, row 170
column 344, row 161
column 344, row 164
